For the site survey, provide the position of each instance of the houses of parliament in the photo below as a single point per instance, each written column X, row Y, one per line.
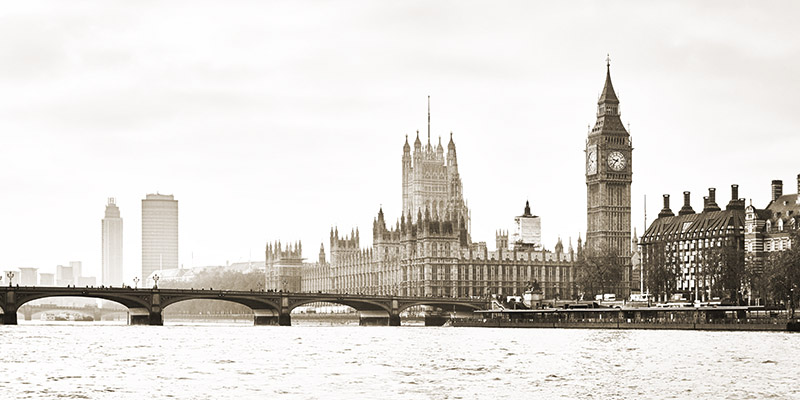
column 428, row 251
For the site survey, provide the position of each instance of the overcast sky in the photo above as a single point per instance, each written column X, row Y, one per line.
column 279, row 120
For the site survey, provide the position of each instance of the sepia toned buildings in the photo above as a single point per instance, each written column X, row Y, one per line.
column 691, row 245
column 769, row 230
column 428, row 250
column 159, row 234
column 111, row 272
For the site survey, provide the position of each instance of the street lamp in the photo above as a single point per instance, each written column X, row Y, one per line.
column 136, row 282
column 155, row 279
column 10, row 275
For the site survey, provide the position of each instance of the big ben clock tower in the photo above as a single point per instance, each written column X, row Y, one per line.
column 608, row 177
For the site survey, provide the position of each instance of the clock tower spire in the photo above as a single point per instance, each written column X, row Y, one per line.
column 608, row 177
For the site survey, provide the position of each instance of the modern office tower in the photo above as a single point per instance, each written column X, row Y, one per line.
column 159, row 234
column 111, row 274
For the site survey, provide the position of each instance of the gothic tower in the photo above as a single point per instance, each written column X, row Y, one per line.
column 431, row 182
column 608, row 177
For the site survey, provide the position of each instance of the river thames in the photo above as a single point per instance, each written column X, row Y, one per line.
column 238, row 361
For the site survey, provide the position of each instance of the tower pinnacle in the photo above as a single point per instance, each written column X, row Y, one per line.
column 429, row 120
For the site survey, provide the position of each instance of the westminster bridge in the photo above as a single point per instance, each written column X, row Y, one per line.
column 269, row 308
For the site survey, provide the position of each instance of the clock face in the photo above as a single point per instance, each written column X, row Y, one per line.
column 591, row 161
column 616, row 161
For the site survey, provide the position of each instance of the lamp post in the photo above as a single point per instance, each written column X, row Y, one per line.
column 155, row 280
column 136, row 282
column 10, row 275
column 791, row 300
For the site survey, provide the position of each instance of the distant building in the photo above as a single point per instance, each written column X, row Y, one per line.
column 28, row 276
column 528, row 231
column 64, row 275
column 47, row 279
column 283, row 267
column 77, row 270
column 111, row 274
column 690, row 243
column 159, row 234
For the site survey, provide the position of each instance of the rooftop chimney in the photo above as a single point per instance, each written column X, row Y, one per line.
column 666, row 212
column 687, row 206
column 777, row 189
column 736, row 203
column 711, row 202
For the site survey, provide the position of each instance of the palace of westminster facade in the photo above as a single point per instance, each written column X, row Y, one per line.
column 429, row 251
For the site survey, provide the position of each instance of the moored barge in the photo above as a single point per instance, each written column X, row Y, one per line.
column 727, row 318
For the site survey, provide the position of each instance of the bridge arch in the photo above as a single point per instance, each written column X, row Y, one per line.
column 358, row 305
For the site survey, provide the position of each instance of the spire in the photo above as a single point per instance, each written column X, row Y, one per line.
column 417, row 143
column 608, row 95
column 452, row 144
column 527, row 209
column 429, row 121
column 439, row 148
column 406, row 147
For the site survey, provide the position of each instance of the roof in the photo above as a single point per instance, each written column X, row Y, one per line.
column 608, row 96
column 784, row 207
column 714, row 223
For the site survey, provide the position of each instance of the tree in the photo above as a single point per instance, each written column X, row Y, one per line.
column 660, row 270
column 726, row 271
column 600, row 269
column 782, row 273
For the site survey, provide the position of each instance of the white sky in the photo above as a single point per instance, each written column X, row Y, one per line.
column 278, row 120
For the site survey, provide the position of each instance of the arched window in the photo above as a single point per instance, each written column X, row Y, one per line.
column 780, row 224
column 769, row 226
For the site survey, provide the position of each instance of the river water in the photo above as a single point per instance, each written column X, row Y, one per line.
column 239, row 361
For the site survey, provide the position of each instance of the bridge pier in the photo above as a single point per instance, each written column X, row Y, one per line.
column 151, row 318
column 374, row 318
column 27, row 313
column 10, row 318
column 269, row 317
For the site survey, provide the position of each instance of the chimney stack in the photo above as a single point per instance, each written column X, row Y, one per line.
column 666, row 212
column 687, row 206
column 711, row 200
column 736, row 203
column 777, row 189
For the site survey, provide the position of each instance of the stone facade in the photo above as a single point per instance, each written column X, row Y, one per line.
column 769, row 230
column 283, row 267
column 431, row 182
column 609, row 172
column 428, row 250
column 690, row 243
